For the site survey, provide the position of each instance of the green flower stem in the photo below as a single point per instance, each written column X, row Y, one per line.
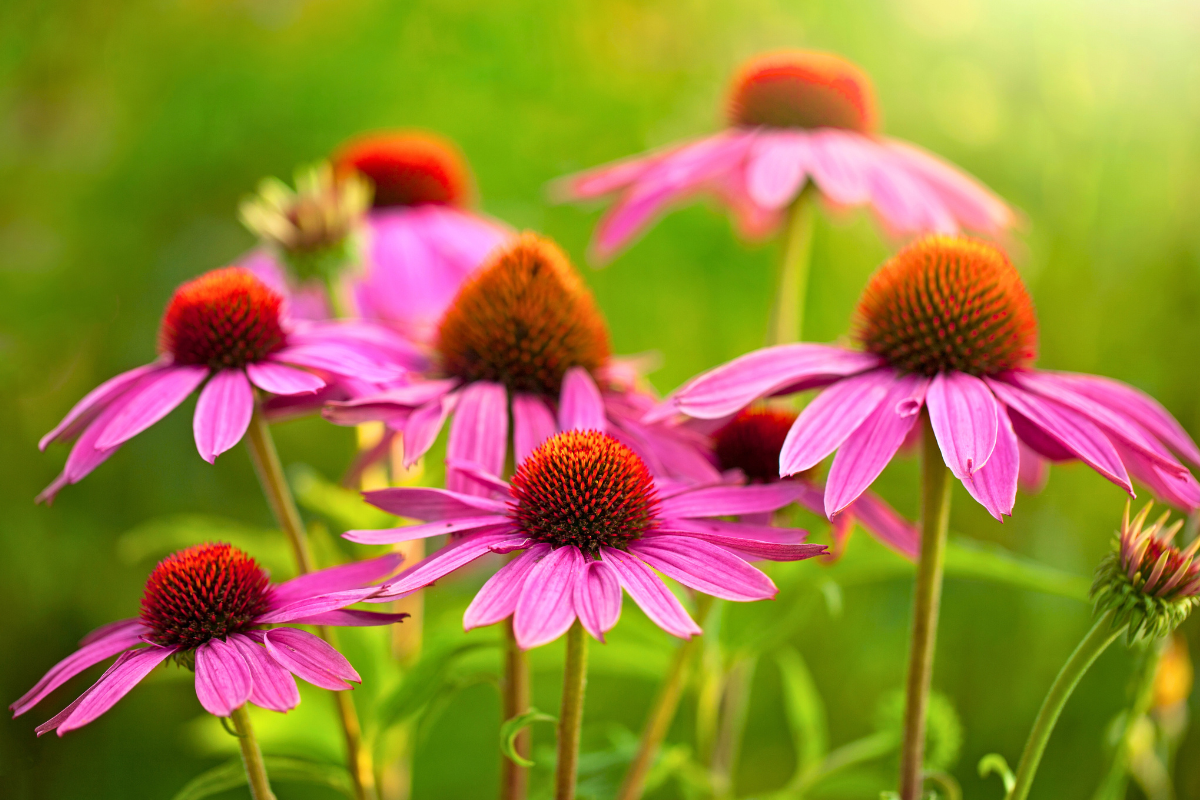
column 252, row 759
column 663, row 710
column 735, row 708
column 514, row 779
column 1096, row 642
column 935, row 520
column 1113, row 785
column 787, row 314
column 570, row 714
column 283, row 505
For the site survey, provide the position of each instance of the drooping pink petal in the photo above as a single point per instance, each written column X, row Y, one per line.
column 115, row 683
column 448, row 559
column 94, row 402
column 410, row 532
column 1033, row 471
column 478, row 433
column 605, row 179
column 1070, row 429
column 650, row 593
column 703, row 566
column 868, row 450
column 223, row 679
column 351, row 618
column 903, row 202
column 597, row 597
column 719, row 501
column 831, row 417
column 776, row 167
column 1181, row 491
column 546, row 606
column 885, row 524
column 111, row 629
column 309, row 658
column 397, row 401
column 733, row 386
column 340, row 359
column 483, row 477
column 367, row 342
column 89, row 654
column 424, row 425
column 84, row 456
column 283, row 380
column 995, row 484
column 965, row 422
column 972, row 205
column 418, row 502
column 152, row 400
column 839, row 165
column 273, row 686
column 222, row 413
column 532, row 424
column 668, row 449
column 580, row 407
column 759, row 531
column 354, row 575
column 311, row 606
column 497, row 598
column 751, row 547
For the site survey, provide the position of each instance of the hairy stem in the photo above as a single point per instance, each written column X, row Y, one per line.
column 252, row 759
column 935, row 519
column 514, row 779
column 1096, row 642
column 570, row 713
column 787, row 313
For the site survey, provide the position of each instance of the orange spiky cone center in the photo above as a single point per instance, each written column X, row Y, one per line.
column 408, row 169
column 225, row 318
column 802, row 89
column 751, row 442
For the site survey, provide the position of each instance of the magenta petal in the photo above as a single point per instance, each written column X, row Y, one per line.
column 89, row 654
column 832, row 416
column 1034, row 470
column 995, row 485
column 478, row 433
column 121, row 677
column 777, row 167
column 532, row 424
column 963, row 414
column 840, row 165
column 432, row 504
column 1181, row 491
column 545, row 607
column 273, row 686
column 355, row 575
column 423, row 426
column 751, row 547
column 111, row 629
column 602, row 180
column 598, row 598
column 972, row 205
column 223, row 681
column 94, row 402
column 446, row 560
column 650, row 593
column 411, row 532
column 283, row 380
column 222, row 413
column 886, row 525
column 351, row 618
column 309, row 658
column 340, row 359
column 704, row 567
column 497, row 598
column 580, row 407
column 720, row 501
column 868, row 450
column 311, row 606
column 481, row 476
column 152, row 400
column 84, row 456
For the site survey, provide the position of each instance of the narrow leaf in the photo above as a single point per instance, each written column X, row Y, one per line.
column 805, row 713
column 512, row 727
column 231, row 775
column 966, row 558
column 995, row 763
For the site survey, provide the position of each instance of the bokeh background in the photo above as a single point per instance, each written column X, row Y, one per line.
column 129, row 131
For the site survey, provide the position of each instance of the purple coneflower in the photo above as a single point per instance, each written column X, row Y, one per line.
column 225, row 327
column 213, row 609
column 524, row 337
column 585, row 516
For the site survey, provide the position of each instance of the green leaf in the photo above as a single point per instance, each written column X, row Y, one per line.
column 343, row 507
column 995, row 763
column 805, row 713
column 967, row 558
column 231, row 775
column 512, row 727
column 422, row 684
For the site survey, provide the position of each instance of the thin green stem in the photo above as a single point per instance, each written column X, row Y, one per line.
column 735, row 707
column 283, row 506
column 252, row 759
column 663, row 711
column 1096, row 642
column 514, row 779
column 570, row 713
column 787, row 313
column 935, row 520
column 1113, row 785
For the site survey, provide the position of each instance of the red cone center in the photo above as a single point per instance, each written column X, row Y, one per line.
column 225, row 318
column 407, row 169
column 802, row 89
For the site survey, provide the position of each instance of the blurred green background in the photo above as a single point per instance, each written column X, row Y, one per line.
column 129, row 131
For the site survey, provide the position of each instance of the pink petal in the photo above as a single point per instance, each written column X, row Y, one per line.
column 598, row 598
column 831, row 417
column 399, row 401
column 606, row 179
column 754, row 548
column 650, row 593
column 223, row 680
column 963, row 414
column 972, row 204
column 84, row 456
column 222, row 413
column 153, row 399
column 90, row 653
column 424, row 425
column 720, row 501
column 777, row 167
column 545, row 608
column 532, row 424
column 580, row 407
column 905, row 203
column 995, row 485
column 351, row 618
column 121, row 677
column 111, row 629
column 411, row 532
column 839, row 165
column 273, row 686
column 1181, row 491
column 478, row 433
column 886, row 525
column 355, row 575
column 340, row 359
column 446, row 560
column 481, row 476
column 868, row 450
column 1033, row 470
column 497, row 598
column 309, row 658
column 704, row 567
column 283, row 380
column 311, row 606
column 432, row 504
column 94, row 402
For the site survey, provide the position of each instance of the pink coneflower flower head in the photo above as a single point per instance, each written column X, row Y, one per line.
column 1148, row 582
column 948, row 327
column 213, row 609
column 226, row 328
column 795, row 117
column 423, row 238
column 750, row 444
column 586, row 519
column 525, row 337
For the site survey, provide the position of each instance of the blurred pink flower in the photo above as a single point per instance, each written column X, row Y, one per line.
column 948, row 327
column 794, row 116
column 225, row 327
column 214, row 610
column 588, row 520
